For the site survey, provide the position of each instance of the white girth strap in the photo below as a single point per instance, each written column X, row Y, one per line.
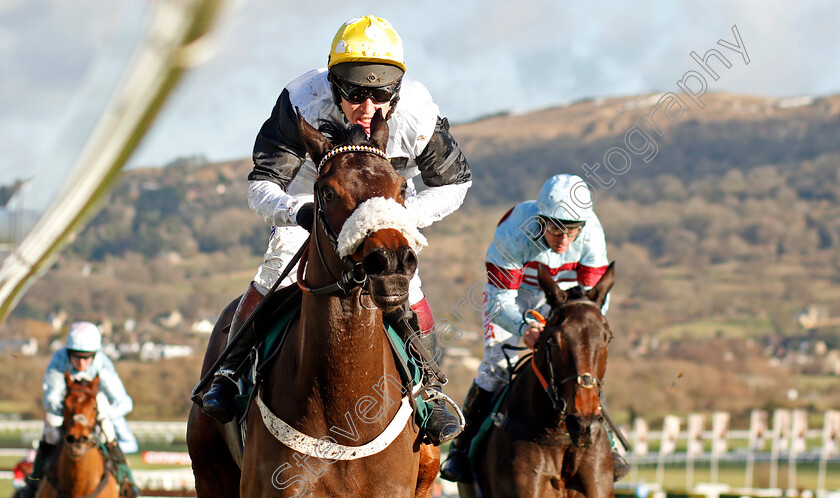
column 324, row 448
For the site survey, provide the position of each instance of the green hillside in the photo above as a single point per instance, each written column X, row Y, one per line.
column 721, row 240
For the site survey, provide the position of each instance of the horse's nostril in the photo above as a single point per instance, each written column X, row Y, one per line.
column 375, row 263
column 409, row 260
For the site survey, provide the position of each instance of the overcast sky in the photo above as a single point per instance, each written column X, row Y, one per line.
column 477, row 57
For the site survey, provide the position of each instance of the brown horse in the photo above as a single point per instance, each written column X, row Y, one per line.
column 81, row 469
column 548, row 438
column 329, row 418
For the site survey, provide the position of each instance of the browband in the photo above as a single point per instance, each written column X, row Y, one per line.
column 350, row 148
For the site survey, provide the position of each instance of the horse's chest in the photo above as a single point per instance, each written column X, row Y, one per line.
column 544, row 461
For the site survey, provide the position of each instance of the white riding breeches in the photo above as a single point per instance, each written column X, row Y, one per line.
column 493, row 372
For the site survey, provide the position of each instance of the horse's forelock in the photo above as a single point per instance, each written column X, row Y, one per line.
column 576, row 293
column 344, row 135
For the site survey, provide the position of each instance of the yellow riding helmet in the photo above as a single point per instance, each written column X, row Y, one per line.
column 367, row 39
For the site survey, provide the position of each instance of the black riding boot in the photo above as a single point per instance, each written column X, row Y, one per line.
column 128, row 488
column 477, row 406
column 42, row 456
column 218, row 402
column 441, row 426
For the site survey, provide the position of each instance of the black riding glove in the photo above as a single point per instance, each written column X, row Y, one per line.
column 305, row 216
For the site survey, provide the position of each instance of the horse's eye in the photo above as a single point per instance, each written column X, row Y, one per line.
column 327, row 194
column 403, row 189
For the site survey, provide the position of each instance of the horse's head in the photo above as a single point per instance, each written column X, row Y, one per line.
column 573, row 350
column 359, row 206
column 80, row 414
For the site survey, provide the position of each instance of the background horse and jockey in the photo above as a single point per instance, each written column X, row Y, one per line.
column 546, row 436
column 82, row 467
column 337, row 366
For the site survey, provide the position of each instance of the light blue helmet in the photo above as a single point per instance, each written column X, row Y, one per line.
column 565, row 198
column 85, row 337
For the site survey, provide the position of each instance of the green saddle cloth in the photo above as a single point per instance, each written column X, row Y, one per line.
column 480, row 439
column 122, row 469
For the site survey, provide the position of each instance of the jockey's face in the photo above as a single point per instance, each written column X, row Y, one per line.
column 80, row 363
column 361, row 114
column 560, row 243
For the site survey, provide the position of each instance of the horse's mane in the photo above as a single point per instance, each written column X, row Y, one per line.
column 344, row 135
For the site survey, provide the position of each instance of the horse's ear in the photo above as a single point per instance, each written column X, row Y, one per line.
column 598, row 294
column 553, row 295
column 317, row 145
column 94, row 384
column 67, row 379
column 379, row 131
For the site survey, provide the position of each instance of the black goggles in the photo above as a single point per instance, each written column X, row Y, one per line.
column 82, row 355
column 356, row 94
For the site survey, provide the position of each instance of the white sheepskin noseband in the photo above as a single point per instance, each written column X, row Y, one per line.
column 375, row 214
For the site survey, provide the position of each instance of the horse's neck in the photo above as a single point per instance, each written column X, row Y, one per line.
column 343, row 356
column 341, row 338
column 338, row 355
column 530, row 404
column 79, row 476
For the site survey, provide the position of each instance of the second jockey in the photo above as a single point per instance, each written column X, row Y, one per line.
column 82, row 358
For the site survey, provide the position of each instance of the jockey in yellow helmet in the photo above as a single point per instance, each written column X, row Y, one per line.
column 365, row 74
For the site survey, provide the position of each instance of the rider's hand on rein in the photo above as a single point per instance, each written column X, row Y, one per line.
column 534, row 325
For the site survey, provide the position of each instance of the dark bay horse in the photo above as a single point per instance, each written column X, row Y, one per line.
column 552, row 441
column 81, row 468
column 331, row 417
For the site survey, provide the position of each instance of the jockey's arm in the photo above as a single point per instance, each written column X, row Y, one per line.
column 593, row 260
column 54, row 385
column 445, row 173
column 113, row 388
column 278, row 155
column 501, row 291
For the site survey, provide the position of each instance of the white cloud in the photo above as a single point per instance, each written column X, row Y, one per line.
column 476, row 57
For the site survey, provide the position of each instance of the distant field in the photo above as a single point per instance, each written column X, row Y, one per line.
column 708, row 329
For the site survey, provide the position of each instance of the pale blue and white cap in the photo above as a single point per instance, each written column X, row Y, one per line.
column 565, row 198
column 85, row 337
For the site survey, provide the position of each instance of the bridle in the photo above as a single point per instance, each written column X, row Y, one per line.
column 90, row 440
column 352, row 275
column 551, row 385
